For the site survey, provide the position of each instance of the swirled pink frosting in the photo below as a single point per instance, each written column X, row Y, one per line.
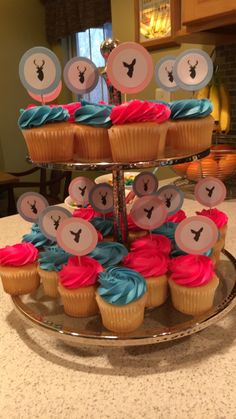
column 86, row 213
column 155, row 243
column 219, row 217
column 71, row 107
column 177, row 217
column 147, row 263
column 191, row 270
column 18, row 254
column 139, row 111
column 77, row 275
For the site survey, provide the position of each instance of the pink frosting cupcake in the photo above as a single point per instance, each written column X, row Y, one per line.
column 153, row 267
column 77, row 286
column 177, row 217
column 193, row 283
column 139, row 131
column 18, row 268
column 155, row 243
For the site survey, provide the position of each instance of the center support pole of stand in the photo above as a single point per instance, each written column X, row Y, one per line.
column 120, row 215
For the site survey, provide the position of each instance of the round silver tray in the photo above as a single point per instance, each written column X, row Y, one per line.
column 160, row 324
column 169, row 158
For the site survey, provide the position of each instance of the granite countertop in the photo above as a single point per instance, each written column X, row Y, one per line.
column 42, row 377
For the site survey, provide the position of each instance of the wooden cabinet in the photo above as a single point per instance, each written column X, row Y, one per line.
column 200, row 11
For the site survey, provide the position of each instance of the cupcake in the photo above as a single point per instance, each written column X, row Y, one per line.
column 220, row 219
column 168, row 230
column 91, row 133
column 37, row 238
column 152, row 242
column 134, row 232
column 51, row 262
column 87, row 213
column 191, row 125
column 109, row 253
column 77, row 286
column 139, row 131
column 193, row 283
column 49, row 138
column 177, row 217
column 18, row 268
column 105, row 226
column 121, row 298
column 153, row 267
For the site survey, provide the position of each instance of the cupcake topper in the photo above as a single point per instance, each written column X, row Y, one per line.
column 172, row 197
column 101, row 198
column 193, row 69
column 30, row 205
column 79, row 189
column 51, row 218
column 76, row 236
column 210, row 191
column 40, row 71
column 164, row 73
column 129, row 67
column 148, row 212
column 49, row 97
column 196, row 235
column 80, row 75
column 145, row 183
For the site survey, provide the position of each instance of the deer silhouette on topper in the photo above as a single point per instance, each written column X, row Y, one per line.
column 145, row 185
column 149, row 212
column 130, row 67
column 56, row 222
column 170, row 74
column 210, row 191
column 82, row 190
column 192, row 69
column 168, row 200
column 39, row 70
column 77, row 235
column 33, row 207
column 103, row 198
column 81, row 74
column 197, row 234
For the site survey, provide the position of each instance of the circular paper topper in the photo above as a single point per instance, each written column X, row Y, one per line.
column 210, row 191
column 80, row 75
column 101, row 198
column 148, row 212
column 145, row 183
column 196, row 235
column 39, row 70
column 172, row 197
column 129, row 67
column 193, row 69
column 79, row 189
column 49, row 97
column 77, row 236
column 30, row 205
column 51, row 218
column 164, row 73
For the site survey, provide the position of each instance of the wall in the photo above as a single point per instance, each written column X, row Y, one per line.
column 22, row 27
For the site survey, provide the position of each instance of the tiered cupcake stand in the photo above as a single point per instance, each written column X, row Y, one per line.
column 161, row 324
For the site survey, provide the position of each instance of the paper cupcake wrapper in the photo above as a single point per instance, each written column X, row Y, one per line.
column 50, row 143
column 195, row 300
column 137, row 142
column 20, row 280
column 223, row 231
column 91, row 144
column 216, row 250
column 50, row 282
column 79, row 302
column 190, row 135
column 157, row 291
column 122, row 319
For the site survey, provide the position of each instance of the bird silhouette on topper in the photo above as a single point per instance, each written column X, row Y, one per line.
column 197, row 234
column 210, row 191
column 76, row 235
column 82, row 190
column 130, row 67
column 149, row 212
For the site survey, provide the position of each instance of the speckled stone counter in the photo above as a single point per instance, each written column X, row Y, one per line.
column 42, row 377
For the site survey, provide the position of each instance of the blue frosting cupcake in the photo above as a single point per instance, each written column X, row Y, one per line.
column 53, row 258
column 104, row 225
column 37, row 238
column 109, row 253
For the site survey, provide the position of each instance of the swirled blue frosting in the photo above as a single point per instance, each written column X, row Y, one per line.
column 104, row 225
column 178, row 252
column 53, row 258
column 41, row 115
column 93, row 114
column 190, row 108
column 109, row 253
column 121, row 286
column 167, row 229
column 36, row 237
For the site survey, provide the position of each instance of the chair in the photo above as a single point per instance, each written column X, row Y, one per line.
column 50, row 189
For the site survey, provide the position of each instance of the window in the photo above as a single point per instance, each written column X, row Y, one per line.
column 88, row 45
